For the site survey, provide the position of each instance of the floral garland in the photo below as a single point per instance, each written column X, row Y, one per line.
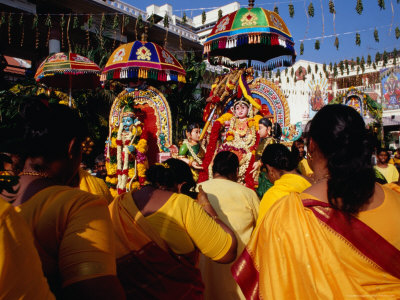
column 126, row 171
column 233, row 142
column 194, row 155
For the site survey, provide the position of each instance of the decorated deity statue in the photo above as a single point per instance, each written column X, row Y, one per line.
column 127, row 153
column 191, row 150
column 236, row 131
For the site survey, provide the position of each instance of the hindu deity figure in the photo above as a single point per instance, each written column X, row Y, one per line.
column 235, row 131
column 392, row 87
column 317, row 101
column 192, row 150
column 128, row 150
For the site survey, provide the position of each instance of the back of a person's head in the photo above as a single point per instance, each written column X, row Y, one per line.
column 170, row 173
column 340, row 134
column 49, row 129
column 279, row 157
column 225, row 163
column 277, row 131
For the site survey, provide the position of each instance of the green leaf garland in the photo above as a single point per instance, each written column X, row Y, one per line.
column 336, row 43
column 332, row 7
column 317, row 45
column 358, row 39
column 381, row 4
column 311, row 10
column 359, row 7
column 276, row 9
column 301, row 48
column 291, row 10
column 376, row 35
column 397, row 33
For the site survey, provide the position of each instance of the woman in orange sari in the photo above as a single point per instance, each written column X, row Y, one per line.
column 338, row 239
column 159, row 231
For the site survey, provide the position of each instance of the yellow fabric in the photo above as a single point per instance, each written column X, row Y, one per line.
column 184, row 225
column 237, row 206
column 298, row 257
column 304, row 168
column 389, row 211
column 390, row 173
column 282, row 187
column 394, row 161
column 73, row 233
column 21, row 275
column 94, row 185
column 126, row 219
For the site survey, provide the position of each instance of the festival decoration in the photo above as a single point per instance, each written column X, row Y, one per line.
column 317, row 45
column 68, row 71
column 253, row 34
column 311, row 10
column 139, row 130
column 390, row 80
column 359, row 7
column 358, row 39
column 381, row 4
column 291, row 10
column 397, row 33
column 376, row 36
column 276, row 10
column 143, row 60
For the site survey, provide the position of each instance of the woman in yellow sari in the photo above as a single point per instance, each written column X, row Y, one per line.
column 159, row 231
column 339, row 239
column 71, row 228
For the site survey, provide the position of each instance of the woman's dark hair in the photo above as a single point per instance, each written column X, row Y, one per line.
column 295, row 150
column 225, row 163
column 47, row 129
column 189, row 128
column 340, row 133
column 266, row 122
column 279, row 157
column 276, row 131
column 171, row 172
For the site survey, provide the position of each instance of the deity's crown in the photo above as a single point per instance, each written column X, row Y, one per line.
column 127, row 112
column 241, row 101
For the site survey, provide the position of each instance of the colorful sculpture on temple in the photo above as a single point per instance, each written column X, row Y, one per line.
column 235, row 131
column 191, row 150
column 126, row 151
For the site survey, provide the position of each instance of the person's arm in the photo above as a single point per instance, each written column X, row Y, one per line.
column 202, row 200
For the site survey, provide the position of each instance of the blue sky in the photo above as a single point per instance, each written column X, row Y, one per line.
column 347, row 23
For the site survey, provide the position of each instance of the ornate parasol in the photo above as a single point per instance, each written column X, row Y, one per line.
column 144, row 60
column 68, row 70
column 252, row 34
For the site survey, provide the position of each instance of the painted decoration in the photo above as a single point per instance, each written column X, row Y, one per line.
column 272, row 97
column 139, row 130
column 318, row 95
column 391, row 90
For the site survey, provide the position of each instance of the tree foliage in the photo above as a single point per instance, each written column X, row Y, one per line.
column 186, row 103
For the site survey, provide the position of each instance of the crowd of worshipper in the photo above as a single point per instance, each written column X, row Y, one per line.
column 250, row 218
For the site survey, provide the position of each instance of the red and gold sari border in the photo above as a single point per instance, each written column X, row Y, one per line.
column 361, row 236
column 246, row 275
